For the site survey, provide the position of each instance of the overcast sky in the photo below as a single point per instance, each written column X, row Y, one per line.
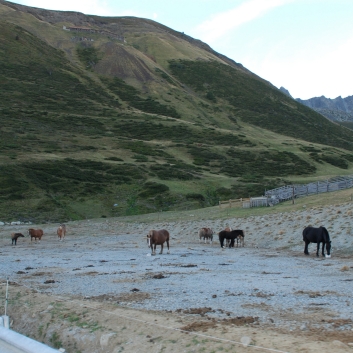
column 305, row 46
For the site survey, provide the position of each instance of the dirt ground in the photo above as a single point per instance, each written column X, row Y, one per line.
column 99, row 326
column 109, row 323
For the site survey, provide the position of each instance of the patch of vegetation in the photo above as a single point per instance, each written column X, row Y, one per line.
column 130, row 95
column 172, row 172
column 148, row 131
column 164, row 75
column 258, row 103
column 265, row 163
column 151, row 189
column 89, row 56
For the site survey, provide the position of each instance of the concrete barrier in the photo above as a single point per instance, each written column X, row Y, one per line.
column 14, row 342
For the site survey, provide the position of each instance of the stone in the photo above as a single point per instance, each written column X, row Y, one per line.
column 338, row 343
column 245, row 340
column 104, row 340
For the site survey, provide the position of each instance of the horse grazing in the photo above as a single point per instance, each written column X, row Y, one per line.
column 61, row 231
column 317, row 235
column 206, row 234
column 157, row 237
column 36, row 234
column 228, row 229
column 15, row 236
column 237, row 234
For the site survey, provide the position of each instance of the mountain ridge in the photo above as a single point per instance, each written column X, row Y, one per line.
column 146, row 119
column 336, row 109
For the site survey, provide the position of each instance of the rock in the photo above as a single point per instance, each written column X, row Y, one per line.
column 104, row 340
column 340, row 344
column 245, row 340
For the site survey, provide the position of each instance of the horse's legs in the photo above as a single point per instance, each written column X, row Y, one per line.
column 221, row 241
column 323, row 248
column 306, row 252
column 318, row 249
column 161, row 249
column 231, row 245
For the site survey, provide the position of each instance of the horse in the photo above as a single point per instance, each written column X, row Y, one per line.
column 36, row 234
column 15, row 236
column 228, row 229
column 317, row 235
column 157, row 237
column 61, row 231
column 206, row 234
column 232, row 235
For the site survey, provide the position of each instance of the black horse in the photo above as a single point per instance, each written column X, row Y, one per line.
column 317, row 235
column 15, row 236
column 237, row 234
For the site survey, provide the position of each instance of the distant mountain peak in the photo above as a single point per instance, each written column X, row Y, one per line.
column 285, row 91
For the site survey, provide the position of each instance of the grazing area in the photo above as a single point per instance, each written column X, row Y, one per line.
column 101, row 289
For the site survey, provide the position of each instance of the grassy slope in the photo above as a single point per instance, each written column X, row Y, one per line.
column 75, row 141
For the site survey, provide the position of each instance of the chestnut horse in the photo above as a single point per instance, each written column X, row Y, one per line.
column 157, row 237
column 36, row 234
column 61, row 231
column 15, row 236
column 206, row 234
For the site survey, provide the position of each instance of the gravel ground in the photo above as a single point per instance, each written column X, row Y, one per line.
column 276, row 283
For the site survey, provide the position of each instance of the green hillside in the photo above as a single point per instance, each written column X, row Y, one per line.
column 132, row 117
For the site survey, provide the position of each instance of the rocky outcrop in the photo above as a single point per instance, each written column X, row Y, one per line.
column 337, row 109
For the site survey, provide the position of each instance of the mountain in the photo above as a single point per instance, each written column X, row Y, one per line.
column 111, row 116
column 338, row 109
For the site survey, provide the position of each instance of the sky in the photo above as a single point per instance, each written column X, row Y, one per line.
column 305, row 46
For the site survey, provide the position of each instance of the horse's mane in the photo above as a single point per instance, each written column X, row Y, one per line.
column 327, row 236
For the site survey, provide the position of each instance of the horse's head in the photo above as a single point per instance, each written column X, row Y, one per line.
column 149, row 235
column 328, row 249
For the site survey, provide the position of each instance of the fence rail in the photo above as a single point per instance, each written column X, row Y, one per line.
column 294, row 191
column 232, row 203
column 290, row 192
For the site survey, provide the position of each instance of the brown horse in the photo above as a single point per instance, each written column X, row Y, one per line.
column 61, row 231
column 36, row 234
column 206, row 234
column 15, row 236
column 157, row 237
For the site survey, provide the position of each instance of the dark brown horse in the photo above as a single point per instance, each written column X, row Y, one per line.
column 36, row 234
column 317, row 235
column 157, row 237
column 237, row 234
column 61, row 231
column 15, row 236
